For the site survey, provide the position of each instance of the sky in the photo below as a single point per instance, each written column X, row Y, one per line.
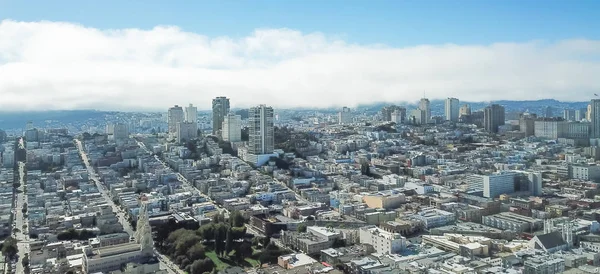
column 149, row 55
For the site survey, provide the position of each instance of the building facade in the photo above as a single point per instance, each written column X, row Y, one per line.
column 220, row 108
column 382, row 241
column 493, row 117
column 261, row 130
column 232, row 128
column 451, row 109
column 175, row 115
column 191, row 114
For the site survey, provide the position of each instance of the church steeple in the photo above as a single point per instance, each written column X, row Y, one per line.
column 143, row 233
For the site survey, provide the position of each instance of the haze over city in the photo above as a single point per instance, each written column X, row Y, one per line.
column 62, row 60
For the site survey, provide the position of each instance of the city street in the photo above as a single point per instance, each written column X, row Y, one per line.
column 22, row 236
column 165, row 263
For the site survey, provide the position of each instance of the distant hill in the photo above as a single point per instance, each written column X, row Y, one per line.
column 20, row 119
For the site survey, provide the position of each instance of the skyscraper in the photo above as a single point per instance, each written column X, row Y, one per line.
column 344, row 116
column 569, row 114
column 493, row 117
column 232, row 128
column 595, row 117
column 191, row 114
column 220, row 108
column 451, row 109
column 424, row 105
column 175, row 116
column 261, row 131
column 386, row 112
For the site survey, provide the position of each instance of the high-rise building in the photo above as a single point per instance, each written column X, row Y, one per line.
column 464, row 110
column 261, row 130
column 580, row 114
column 120, row 131
column 595, row 117
column 191, row 114
column 493, row 117
column 424, row 105
column 220, row 108
column 418, row 117
column 451, row 109
column 386, row 112
column 569, row 114
column 175, row 116
column 548, row 112
column 496, row 184
column 232, row 128
column 344, row 116
column 588, row 113
column 187, row 131
column 527, row 124
column 399, row 116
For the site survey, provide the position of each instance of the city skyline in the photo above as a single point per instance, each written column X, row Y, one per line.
column 64, row 61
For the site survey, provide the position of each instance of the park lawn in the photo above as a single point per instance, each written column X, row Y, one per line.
column 253, row 262
column 220, row 265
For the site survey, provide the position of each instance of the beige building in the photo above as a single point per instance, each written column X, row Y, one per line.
column 387, row 201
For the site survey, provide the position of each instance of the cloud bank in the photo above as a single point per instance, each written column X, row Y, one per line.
column 56, row 65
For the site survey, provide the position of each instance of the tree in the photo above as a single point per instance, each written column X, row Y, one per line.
column 301, row 228
column 9, row 247
column 229, row 242
column 196, row 252
column 237, row 219
column 242, row 251
column 202, row 265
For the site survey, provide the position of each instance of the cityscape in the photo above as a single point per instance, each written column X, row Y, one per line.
column 299, row 137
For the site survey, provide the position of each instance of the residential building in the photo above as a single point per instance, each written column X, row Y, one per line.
column 220, row 108
column 260, row 124
column 399, row 116
column 191, row 114
column 344, row 116
column 493, row 117
column 435, row 217
column 382, row 241
column 186, row 131
column 175, row 115
column 451, row 109
column 120, row 132
column 549, row 128
column 569, row 114
column 384, row 200
column 594, row 117
column 232, row 128
column 425, row 106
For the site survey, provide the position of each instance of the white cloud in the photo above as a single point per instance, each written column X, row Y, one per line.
column 53, row 65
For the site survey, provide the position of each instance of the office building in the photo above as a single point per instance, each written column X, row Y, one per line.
column 549, row 128
column 496, row 184
column 418, row 117
column 425, row 106
column 232, row 128
column 493, row 117
column 548, row 112
column 382, row 241
column 191, row 114
column 261, row 131
column 451, row 109
column 220, row 108
column 186, row 131
column 175, row 115
column 344, row 116
column 464, row 110
column 594, row 111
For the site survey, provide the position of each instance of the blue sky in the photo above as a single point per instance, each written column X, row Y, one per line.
column 395, row 22
column 111, row 55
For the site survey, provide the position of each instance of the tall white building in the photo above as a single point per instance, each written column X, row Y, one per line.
column 175, row 115
column 344, row 116
column 500, row 183
column 232, row 128
column 451, row 109
column 220, row 108
column 261, row 130
column 191, row 114
column 186, row 131
column 424, row 105
column 382, row 241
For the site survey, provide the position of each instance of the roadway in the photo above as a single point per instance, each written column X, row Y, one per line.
column 165, row 262
column 21, row 221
